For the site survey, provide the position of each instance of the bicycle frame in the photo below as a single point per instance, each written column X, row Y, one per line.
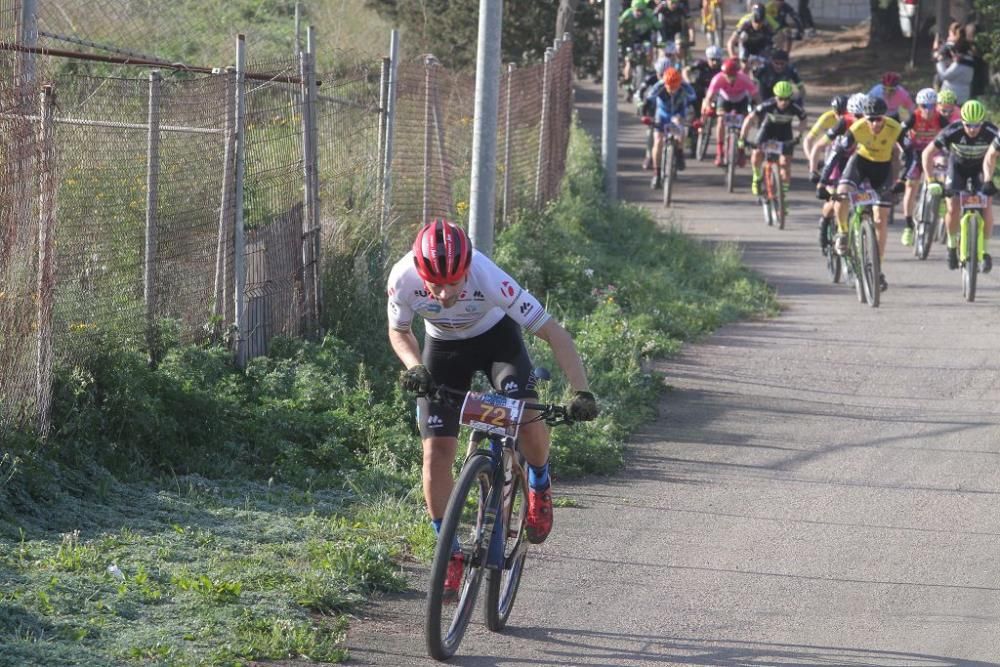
column 861, row 223
column 734, row 123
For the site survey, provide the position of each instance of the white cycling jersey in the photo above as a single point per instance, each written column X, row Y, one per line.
column 488, row 295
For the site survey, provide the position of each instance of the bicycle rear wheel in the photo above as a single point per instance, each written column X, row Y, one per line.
column 447, row 617
column 970, row 267
column 870, row 265
column 855, row 268
column 502, row 585
column 834, row 262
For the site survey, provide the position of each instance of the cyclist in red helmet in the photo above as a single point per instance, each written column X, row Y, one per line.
column 895, row 95
column 473, row 314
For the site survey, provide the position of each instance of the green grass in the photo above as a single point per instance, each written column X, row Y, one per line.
column 247, row 512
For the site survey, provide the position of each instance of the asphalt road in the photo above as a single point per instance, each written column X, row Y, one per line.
column 821, row 488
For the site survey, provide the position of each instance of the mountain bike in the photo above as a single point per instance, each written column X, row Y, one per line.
column 862, row 258
column 928, row 212
column 485, row 518
column 970, row 244
column 638, row 55
column 734, row 123
column 773, row 197
column 834, row 262
column 668, row 160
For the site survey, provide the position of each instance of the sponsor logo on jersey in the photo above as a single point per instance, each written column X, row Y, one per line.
column 392, row 291
column 510, row 386
column 471, row 309
column 435, row 422
column 421, row 292
column 526, row 308
column 506, row 288
column 478, row 296
column 431, row 308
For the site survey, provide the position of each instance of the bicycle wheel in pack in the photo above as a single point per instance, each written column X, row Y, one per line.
column 730, row 161
column 834, row 262
column 854, row 260
column 970, row 246
column 502, row 584
column 448, row 615
column 870, row 265
column 669, row 173
column 766, row 202
column 704, row 137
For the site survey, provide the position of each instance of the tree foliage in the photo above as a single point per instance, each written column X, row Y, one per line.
column 988, row 31
column 449, row 28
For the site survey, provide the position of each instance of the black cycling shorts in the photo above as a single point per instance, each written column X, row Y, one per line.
column 858, row 170
column 777, row 132
column 725, row 106
column 959, row 175
column 499, row 353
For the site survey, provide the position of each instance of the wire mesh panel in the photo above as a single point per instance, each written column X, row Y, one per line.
column 19, row 285
column 273, row 199
column 101, row 136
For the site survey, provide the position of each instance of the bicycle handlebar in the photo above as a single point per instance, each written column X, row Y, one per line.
column 552, row 414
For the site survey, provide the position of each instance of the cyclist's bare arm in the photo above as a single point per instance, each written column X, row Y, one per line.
column 927, row 160
column 733, row 44
column 990, row 163
column 565, row 353
column 816, row 149
column 406, row 347
column 745, row 129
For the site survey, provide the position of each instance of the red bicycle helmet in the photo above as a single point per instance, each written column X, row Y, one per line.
column 442, row 252
column 891, row 79
column 730, row 66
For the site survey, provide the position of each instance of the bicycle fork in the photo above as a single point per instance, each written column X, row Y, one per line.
column 963, row 244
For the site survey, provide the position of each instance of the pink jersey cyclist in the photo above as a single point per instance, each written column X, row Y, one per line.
column 741, row 88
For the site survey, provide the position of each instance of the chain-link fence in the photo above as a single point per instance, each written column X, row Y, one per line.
column 164, row 203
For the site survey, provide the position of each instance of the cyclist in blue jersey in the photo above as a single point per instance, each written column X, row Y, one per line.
column 673, row 98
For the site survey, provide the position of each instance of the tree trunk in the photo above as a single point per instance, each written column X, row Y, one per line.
column 564, row 19
column 884, row 23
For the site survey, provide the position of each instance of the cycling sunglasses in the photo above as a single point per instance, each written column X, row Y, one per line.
column 875, row 119
column 928, row 107
column 972, row 126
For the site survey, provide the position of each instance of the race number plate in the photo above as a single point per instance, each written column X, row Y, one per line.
column 772, row 147
column 734, row 120
column 492, row 413
column 973, row 201
column 864, row 198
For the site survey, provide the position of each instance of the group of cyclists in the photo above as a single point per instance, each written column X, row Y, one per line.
column 883, row 137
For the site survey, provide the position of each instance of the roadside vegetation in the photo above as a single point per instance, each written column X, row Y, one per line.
column 195, row 515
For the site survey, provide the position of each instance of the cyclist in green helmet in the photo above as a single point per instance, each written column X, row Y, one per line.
column 970, row 141
column 947, row 106
column 775, row 117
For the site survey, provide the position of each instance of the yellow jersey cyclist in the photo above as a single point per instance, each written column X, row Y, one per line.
column 876, row 160
column 783, row 13
column 776, row 116
column 972, row 144
column 473, row 314
column 838, row 114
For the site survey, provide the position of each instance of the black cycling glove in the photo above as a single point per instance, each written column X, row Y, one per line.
column 822, row 194
column 989, row 189
column 814, row 177
column 583, row 407
column 898, row 187
column 417, row 380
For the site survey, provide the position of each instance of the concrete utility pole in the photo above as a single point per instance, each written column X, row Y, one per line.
column 482, row 194
column 609, row 118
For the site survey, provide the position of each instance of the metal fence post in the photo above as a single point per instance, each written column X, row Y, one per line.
column 227, row 202
column 152, row 202
column 239, row 241
column 383, row 116
column 46, row 260
column 506, row 148
column 429, row 65
column 482, row 195
column 28, row 37
column 543, row 128
column 315, row 222
column 390, row 130
column 609, row 116
column 309, row 193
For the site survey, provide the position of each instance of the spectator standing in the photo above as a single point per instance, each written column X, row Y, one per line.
column 807, row 18
column 955, row 71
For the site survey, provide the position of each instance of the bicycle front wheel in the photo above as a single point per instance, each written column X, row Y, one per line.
column 502, row 584
column 834, row 262
column 870, row 264
column 730, row 160
column 970, row 245
column 778, row 197
column 704, row 136
column 669, row 173
column 464, row 525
